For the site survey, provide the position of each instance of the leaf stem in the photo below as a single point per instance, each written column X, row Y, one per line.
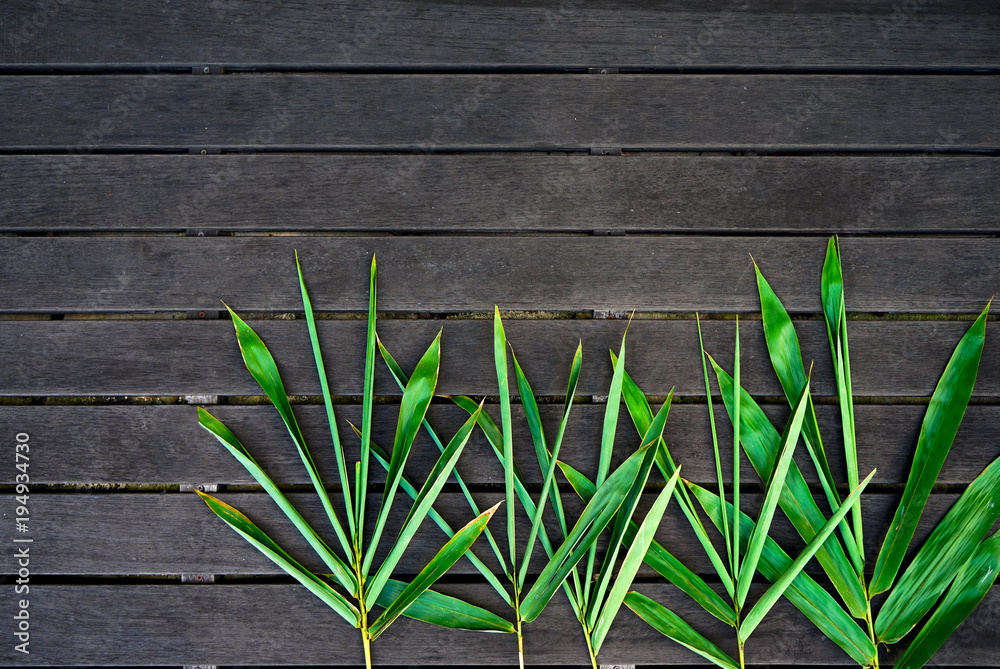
column 871, row 629
column 365, row 638
column 590, row 646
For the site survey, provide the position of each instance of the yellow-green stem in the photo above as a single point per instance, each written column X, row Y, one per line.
column 741, row 655
column 590, row 646
column 871, row 629
column 365, row 639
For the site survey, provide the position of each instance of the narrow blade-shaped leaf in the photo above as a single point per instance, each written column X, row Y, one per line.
column 246, row 528
column 439, row 564
column 412, row 409
column 786, row 358
column 367, row 402
column 948, row 547
column 503, row 384
column 774, row 488
column 445, row 611
column 804, row 592
column 341, row 572
column 660, row 559
column 595, row 517
column 630, row 565
column 971, row 584
column 327, row 399
column 761, row 443
column 668, row 623
column 421, row 506
column 715, row 450
column 262, row 367
column 778, row 588
column 944, row 415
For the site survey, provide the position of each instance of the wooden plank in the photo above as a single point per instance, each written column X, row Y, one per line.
column 168, row 357
column 164, row 445
column 529, row 112
column 498, row 193
column 456, row 274
column 143, row 534
column 283, row 624
column 724, row 34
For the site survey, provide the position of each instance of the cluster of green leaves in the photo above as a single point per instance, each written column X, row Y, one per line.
column 353, row 571
column 956, row 561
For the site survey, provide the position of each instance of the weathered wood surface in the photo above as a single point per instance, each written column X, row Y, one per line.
column 725, row 34
column 497, row 193
column 156, row 534
column 481, row 112
column 456, row 274
column 164, row 445
column 284, row 624
column 171, row 357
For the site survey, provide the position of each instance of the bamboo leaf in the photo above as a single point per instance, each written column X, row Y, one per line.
column 668, row 623
column 786, row 358
column 503, row 384
column 637, row 549
column 439, row 564
column 421, row 506
column 971, row 584
column 341, row 572
column 263, row 369
column 327, row 399
column 944, row 415
column 445, row 611
column 835, row 315
column 774, row 487
column 412, row 409
column 761, row 443
column 948, row 547
column 595, row 517
column 779, row 587
column 660, row 558
column 804, row 592
column 367, row 401
column 245, row 528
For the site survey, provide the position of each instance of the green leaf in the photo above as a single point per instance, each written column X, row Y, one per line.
column 445, row 611
column 948, row 547
column 401, row 380
column 668, row 623
column 779, row 587
column 263, row 369
column 327, row 399
column 595, row 517
column 971, row 584
column 804, row 593
column 944, row 415
column 439, row 564
column 774, row 487
column 638, row 547
column 412, row 409
column 245, row 528
column 660, row 558
column 341, row 572
column 367, row 401
column 421, row 506
column 652, row 437
column 761, row 443
column 786, row 358
column 835, row 315
column 503, row 384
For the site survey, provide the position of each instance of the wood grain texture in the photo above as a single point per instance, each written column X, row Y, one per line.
column 283, row 624
column 496, row 193
column 888, row 358
column 531, row 112
column 151, row 534
column 720, row 34
column 456, row 274
column 165, row 445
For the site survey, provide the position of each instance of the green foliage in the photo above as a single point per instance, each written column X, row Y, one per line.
column 351, row 571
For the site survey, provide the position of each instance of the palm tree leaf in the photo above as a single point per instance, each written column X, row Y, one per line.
column 245, row 528
column 944, row 415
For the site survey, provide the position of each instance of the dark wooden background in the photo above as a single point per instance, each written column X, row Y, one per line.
column 568, row 161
